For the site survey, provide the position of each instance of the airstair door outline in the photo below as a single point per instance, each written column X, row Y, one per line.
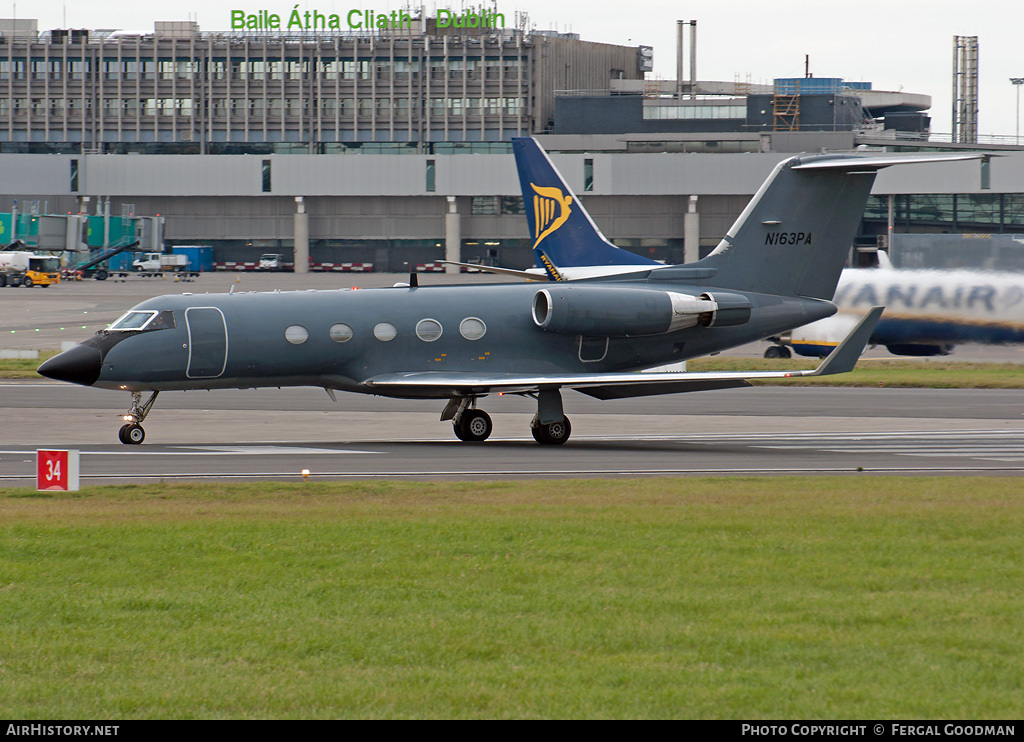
column 207, row 342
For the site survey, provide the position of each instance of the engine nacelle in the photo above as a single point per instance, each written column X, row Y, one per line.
column 730, row 309
column 608, row 311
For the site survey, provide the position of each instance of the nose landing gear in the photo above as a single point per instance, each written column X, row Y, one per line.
column 132, row 433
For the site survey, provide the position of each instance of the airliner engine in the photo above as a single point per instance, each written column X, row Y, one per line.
column 626, row 312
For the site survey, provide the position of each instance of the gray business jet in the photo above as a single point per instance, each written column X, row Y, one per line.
column 775, row 269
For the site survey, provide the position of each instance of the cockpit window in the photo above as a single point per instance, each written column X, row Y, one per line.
column 163, row 321
column 133, row 320
column 150, row 319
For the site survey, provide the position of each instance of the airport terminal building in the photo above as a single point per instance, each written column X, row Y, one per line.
column 395, row 143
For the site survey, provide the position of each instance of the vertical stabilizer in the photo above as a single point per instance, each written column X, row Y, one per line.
column 796, row 233
column 559, row 225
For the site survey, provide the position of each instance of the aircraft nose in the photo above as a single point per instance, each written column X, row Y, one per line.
column 80, row 365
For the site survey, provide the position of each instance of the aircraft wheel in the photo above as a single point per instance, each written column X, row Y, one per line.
column 131, row 434
column 474, row 426
column 553, row 434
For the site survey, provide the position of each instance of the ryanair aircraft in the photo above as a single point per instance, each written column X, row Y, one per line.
column 928, row 312
column 459, row 344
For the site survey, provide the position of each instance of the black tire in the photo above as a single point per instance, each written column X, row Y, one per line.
column 553, row 434
column 131, row 434
column 3, row 280
column 101, row 275
column 474, row 426
column 27, row 282
column 772, row 352
column 784, row 352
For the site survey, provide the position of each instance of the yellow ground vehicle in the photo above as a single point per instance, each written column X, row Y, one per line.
column 18, row 268
column 42, row 270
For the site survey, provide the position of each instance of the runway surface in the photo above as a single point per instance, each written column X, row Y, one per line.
column 275, row 434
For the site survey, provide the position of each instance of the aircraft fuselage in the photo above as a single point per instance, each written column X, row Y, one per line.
column 339, row 338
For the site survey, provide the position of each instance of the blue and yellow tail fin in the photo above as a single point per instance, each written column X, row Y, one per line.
column 562, row 231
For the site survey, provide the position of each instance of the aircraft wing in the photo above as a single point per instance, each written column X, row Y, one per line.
column 618, row 384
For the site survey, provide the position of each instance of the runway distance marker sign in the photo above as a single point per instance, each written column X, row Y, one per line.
column 57, row 470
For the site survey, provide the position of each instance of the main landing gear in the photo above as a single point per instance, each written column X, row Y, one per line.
column 132, row 433
column 552, row 434
column 777, row 351
column 550, row 426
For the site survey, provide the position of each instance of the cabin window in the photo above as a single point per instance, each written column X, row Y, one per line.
column 472, row 328
column 296, row 334
column 385, row 331
column 428, row 330
column 341, row 333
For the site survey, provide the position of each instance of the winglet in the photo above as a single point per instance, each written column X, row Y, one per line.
column 846, row 355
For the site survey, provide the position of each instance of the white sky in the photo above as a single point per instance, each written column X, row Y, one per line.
column 895, row 44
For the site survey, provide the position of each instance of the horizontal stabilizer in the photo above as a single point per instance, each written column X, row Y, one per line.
column 860, row 163
column 499, row 271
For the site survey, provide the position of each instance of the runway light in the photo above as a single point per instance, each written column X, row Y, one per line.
column 305, row 474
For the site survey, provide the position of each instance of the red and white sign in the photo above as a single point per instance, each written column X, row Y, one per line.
column 57, row 470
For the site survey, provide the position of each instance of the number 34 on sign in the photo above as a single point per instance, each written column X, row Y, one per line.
column 57, row 470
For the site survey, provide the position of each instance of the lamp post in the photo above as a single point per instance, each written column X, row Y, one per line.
column 1017, row 82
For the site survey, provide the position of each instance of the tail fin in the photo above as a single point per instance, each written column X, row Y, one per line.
column 796, row 233
column 560, row 227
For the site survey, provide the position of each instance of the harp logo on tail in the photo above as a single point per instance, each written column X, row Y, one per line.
column 550, row 210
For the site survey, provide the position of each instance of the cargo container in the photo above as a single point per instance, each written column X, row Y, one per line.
column 200, row 257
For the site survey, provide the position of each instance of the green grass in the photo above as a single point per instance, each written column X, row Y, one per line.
column 18, row 368
column 812, row 597
column 889, row 373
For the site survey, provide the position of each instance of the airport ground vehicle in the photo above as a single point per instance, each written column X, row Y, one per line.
column 18, row 268
column 271, row 262
column 155, row 262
